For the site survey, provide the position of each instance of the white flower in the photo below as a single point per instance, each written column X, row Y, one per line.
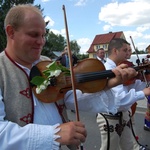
column 46, row 82
column 56, row 73
column 38, row 90
column 42, row 87
column 54, row 70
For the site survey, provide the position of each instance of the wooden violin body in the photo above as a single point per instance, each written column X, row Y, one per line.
column 90, row 77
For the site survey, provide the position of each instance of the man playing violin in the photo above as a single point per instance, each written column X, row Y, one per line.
column 116, row 132
column 26, row 122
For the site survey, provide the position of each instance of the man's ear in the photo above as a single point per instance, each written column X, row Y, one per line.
column 114, row 50
column 10, row 31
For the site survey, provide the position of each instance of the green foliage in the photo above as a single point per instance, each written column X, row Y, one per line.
column 49, row 73
column 56, row 42
column 139, row 51
column 55, row 66
column 53, row 43
column 82, row 56
column 75, row 48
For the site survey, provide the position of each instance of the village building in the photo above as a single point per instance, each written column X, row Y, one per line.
column 102, row 41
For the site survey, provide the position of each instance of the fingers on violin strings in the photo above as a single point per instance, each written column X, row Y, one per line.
column 132, row 72
column 122, row 66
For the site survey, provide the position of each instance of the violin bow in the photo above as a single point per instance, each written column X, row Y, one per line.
column 71, row 70
column 135, row 51
column 147, row 84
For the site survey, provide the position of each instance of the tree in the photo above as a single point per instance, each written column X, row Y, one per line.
column 139, row 51
column 82, row 56
column 56, row 42
column 75, row 48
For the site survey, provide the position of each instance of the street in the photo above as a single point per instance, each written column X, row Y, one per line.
column 93, row 138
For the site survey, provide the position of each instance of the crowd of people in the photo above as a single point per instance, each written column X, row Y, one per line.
column 26, row 123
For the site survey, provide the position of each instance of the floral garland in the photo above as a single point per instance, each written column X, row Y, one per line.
column 54, row 69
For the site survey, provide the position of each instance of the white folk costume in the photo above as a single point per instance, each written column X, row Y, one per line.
column 17, row 111
column 115, row 129
column 29, row 124
column 26, row 122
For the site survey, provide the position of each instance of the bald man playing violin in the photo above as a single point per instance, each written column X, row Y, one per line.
column 27, row 123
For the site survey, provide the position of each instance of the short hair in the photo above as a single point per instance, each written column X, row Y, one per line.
column 15, row 16
column 116, row 43
column 100, row 49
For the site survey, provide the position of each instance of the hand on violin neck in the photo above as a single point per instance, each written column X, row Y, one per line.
column 123, row 73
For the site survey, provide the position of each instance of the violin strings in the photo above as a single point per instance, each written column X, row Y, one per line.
column 90, row 76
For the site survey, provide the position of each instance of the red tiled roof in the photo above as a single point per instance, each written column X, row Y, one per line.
column 104, row 39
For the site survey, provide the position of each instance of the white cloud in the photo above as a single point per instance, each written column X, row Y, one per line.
column 45, row 1
column 62, row 32
column 51, row 22
column 107, row 27
column 142, row 28
column 55, row 31
column 85, row 44
column 125, row 14
column 81, row 3
column 146, row 36
column 134, row 35
column 131, row 17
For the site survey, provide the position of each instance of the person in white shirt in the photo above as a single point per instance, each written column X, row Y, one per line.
column 115, row 130
column 101, row 55
column 27, row 123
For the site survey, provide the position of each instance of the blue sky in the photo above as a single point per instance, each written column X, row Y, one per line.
column 87, row 18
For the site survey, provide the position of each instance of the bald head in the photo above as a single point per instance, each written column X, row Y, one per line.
column 16, row 15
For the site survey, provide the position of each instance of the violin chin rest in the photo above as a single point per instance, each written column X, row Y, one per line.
column 33, row 73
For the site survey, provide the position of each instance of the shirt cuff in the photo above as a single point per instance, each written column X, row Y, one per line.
column 45, row 136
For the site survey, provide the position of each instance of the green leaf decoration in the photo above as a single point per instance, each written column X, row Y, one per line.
column 38, row 80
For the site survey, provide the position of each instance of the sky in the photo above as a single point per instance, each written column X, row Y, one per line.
column 88, row 18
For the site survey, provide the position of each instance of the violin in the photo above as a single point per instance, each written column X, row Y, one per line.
column 129, row 82
column 137, row 68
column 130, row 64
column 90, row 77
column 139, row 76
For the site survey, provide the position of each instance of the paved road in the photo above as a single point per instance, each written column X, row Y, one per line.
column 93, row 138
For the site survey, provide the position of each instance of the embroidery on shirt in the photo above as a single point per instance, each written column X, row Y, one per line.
column 27, row 118
column 111, row 128
column 26, row 92
column 119, row 128
column 61, row 108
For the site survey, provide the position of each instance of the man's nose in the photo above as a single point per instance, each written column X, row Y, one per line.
column 41, row 40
